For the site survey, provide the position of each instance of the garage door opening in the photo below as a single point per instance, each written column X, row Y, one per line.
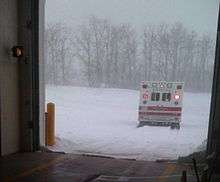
column 97, row 55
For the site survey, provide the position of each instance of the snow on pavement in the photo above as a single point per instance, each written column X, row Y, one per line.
column 104, row 121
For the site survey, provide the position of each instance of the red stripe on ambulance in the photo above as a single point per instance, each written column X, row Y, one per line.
column 160, row 114
column 158, row 108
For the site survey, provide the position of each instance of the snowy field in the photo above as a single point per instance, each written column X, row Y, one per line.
column 104, row 121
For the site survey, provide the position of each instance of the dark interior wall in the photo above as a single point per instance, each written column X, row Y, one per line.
column 25, row 74
column 213, row 146
column 30, row 36
column 41, row 72
column 21, row 80
column 9, row 87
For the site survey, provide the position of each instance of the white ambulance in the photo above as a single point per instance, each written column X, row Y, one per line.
column 161, row 103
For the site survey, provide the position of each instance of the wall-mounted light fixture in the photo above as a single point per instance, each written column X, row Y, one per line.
column 17, row 51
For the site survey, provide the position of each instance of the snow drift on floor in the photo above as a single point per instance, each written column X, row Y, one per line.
column 104, row 121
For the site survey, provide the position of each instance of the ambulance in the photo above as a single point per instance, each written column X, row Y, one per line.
column 161, row 103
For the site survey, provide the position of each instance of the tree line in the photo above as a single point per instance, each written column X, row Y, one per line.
column 99, row 53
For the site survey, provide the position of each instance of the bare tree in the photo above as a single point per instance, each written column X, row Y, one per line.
column 59, row 54
column 103, row 54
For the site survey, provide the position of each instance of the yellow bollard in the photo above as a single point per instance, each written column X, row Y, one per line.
column 50, row 124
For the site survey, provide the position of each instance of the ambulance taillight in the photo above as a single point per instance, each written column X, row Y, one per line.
column 145, row 96
column 176, row 97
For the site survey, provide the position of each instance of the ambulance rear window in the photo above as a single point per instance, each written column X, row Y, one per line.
column 166, row 97
column 155, row 96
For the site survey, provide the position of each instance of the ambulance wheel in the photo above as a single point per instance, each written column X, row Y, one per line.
column 175, row 126
column 141, row 124
column 178, row 126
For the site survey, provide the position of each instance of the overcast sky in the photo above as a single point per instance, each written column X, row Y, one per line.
column 199, row 15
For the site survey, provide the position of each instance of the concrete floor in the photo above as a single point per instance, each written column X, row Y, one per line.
column 54, row 167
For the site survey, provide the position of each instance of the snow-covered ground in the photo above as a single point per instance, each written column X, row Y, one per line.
column 104, row 121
